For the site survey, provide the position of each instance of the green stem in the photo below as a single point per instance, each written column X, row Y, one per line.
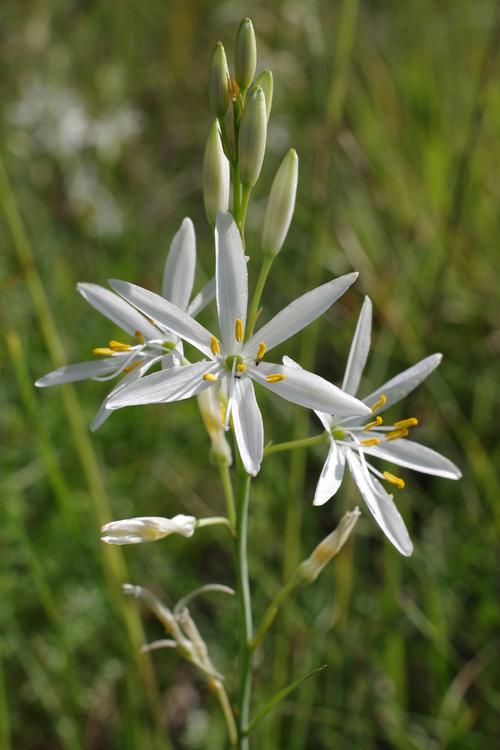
column 227, row 486
column 292, row 444
column 242, row 215
column 245, row 607
column 259, row 288
column 272, row 611
column 236, row 191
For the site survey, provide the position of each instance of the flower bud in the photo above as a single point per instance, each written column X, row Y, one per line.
column 309, row 569
column 146, row 529
column 218, row 86
column 265, row 81
column 280, row 205
column 245, row 54
column 208, row 404
column 216, row 176
column 252, row 137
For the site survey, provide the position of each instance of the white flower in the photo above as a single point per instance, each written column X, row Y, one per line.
column 146, row 529
column 232, row 361
column 153, row 342
column 352, row 438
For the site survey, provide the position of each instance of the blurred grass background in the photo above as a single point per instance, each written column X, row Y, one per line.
column 394, row 109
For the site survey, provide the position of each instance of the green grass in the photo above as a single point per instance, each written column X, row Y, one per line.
column 395, row 112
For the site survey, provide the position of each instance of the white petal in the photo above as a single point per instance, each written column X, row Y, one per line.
column 299, row 314
column 404, row 383
column 306, row 389
column 174, row 384
column 248, row 428
column 202, row 299
column 381, row 506
column 231, row 278
column 117, row 310
column 168, row 314
column 359, row 350
column 331, row 476
column 80, row 371
column 417, row 457
column 178, row 276
column 325, row 419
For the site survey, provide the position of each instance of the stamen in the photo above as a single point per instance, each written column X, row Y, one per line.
column 117, row 346
column 241, row 367
column 139, row 337
column 275, row 378
column 131, row 367
column 411, row 422
column 239, row 330
column 376, row 423
column 370, row 441
column 400, row 483
column 382, row 400
column 103, row 351
column 214, row 346
column 396, row 434
column 210, row 376
column 261, row 351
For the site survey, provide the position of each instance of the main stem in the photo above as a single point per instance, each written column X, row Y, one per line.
column 245, row 611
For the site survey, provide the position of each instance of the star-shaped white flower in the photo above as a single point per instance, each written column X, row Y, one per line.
column 351, row 439
column 153, row 343
column 232, row 361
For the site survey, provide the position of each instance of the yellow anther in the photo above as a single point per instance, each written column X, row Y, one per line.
column 370, row 441
column 241, row 367
column 214, row 346
column 381, row 401
column 131, row 367
column 411, row 422
column 117, row 346
column 400, row 483
column 376, row 423
column 395, row 434
column 261, row 351
column 239, row 330
column 275, row 377
column 103, row 350
column 139, row 337
column 210, row 376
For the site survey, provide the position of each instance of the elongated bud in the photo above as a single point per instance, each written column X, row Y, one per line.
column 280, row 205
column 210, row 410
column 146, row 529
column 265, row 81
column 218, row 86
column 252, row 139
column 216, row 176
column 309, row 569
column 245, row 54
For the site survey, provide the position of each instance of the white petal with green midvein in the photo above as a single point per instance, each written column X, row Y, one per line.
column 404, row 383
column 360, row 348
column 178, row 275
column 248, row 427
column 117, row 310
column 231, row 279
column 331, row 475
column 79, row 371
column 175, row 384
column 417, row 457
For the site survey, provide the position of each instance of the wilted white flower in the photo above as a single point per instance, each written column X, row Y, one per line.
column 153, row 343
column 147, row 529
column 232, row 361
column 352, row 438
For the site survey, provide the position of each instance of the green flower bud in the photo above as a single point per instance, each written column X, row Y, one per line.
column 309, row 569
column 216, row 177
column 252, row 137
column 218, row 87
column 245, row 54
column 265, row 81
column 280, row 205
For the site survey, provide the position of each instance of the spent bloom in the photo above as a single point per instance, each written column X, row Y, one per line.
column 353, row 438
column 233, row 362
column 152, row 343
column 146, row 529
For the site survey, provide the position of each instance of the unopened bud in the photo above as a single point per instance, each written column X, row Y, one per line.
column 146, row 529
column 245, row 54
column 280, row 205
column 309, row 569
column 218, row 87
column 252, row 137
column 208, row 404
column 216, row 176
column 265, row 81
